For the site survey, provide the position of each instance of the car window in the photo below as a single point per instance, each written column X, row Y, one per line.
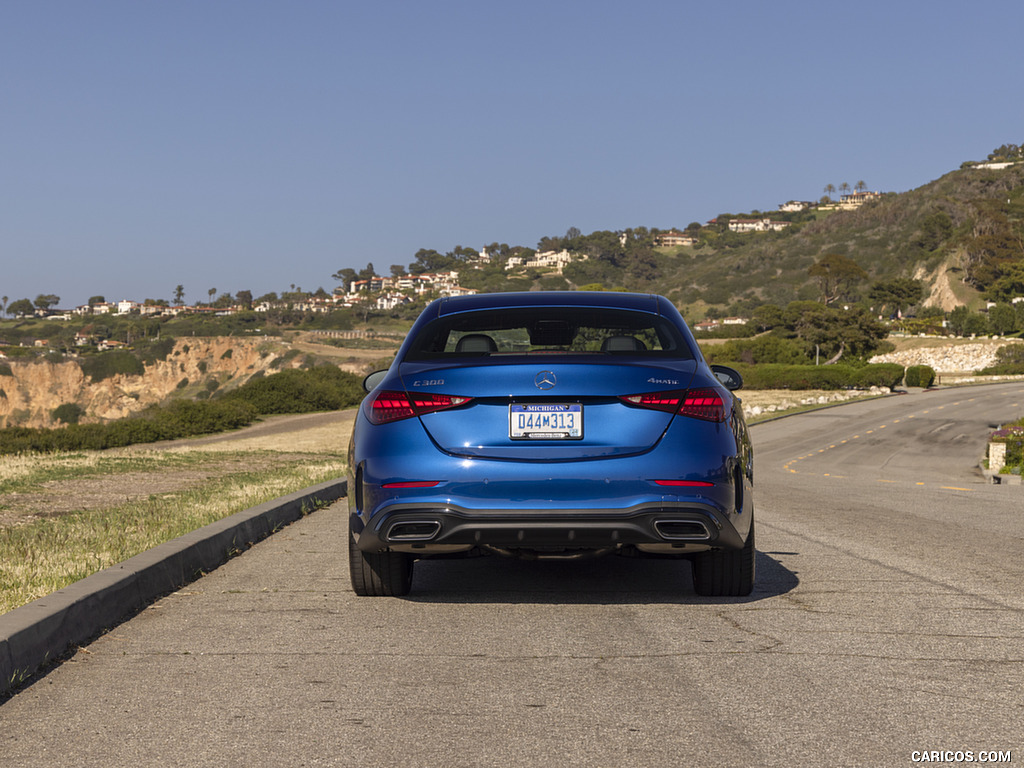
column 547, row 330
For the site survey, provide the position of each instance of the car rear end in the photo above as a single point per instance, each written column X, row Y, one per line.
column 550, row 425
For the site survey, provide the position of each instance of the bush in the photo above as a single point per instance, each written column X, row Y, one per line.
column 1013, row 436
column 5, row 370
column 69, row 413
column 763, row 349
column 774, row 376
column 920, row 376
column 324, row 388
column 1009, row 361
column 107, row 364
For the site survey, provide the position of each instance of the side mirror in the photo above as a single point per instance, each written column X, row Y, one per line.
column 729, row 377
column 370, row 382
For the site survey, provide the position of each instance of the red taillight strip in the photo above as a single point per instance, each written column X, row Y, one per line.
column 707, row 404
column 686, row 483
column 413, row 484
column 393, row 406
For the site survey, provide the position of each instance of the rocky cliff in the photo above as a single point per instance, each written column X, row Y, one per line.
column 34, row 389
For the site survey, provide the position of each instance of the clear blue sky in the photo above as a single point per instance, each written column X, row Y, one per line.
column 255, row 145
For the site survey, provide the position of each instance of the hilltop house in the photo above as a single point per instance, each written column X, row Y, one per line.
column 555, row 260
column 795, row 206
column 756, row 225
column 857, row 199
column 672, row 238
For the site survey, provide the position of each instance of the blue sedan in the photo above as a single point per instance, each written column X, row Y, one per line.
column 551, row 425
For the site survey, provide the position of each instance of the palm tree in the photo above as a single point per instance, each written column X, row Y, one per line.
column 844, row 188
column 860, row 186
column 179, row 294
column 5, row 303
column 212, row 291
column 830, row 189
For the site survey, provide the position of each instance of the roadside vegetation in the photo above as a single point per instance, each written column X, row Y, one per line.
column 323, row 388
column 96, row 518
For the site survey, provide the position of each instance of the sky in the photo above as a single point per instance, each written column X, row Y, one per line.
column 259, row 145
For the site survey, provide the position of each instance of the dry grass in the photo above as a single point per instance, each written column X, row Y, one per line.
column 64, row 517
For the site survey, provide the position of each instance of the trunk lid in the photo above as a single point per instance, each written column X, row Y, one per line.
column 518, row 408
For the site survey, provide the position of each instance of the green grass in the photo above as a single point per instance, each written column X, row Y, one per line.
column 45, row 554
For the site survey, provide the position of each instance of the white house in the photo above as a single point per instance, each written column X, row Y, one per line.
column 757, row 225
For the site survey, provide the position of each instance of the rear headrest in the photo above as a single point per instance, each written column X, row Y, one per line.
column 476, row 342
column 622, row 344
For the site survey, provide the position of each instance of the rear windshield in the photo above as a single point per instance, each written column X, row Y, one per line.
column 548, row 330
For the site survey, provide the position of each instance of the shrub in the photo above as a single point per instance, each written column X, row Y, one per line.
column 5, row 370
column 764, row 349
column 107, row 364
column 153, row 351
column 1013, row 436
column 68, row 413
column 920, row 376
column 1009, row 361
column 324, row 388
column 292, row 391
column 774, row 376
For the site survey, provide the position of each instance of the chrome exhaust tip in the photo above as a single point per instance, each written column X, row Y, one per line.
column 682, row 530
column 414, row 530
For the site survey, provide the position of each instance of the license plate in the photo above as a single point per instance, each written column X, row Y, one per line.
column 545, row 421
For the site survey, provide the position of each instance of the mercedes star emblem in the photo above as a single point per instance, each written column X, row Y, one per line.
column 545, row 380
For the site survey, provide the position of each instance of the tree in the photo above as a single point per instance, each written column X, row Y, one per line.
column 211, row 293
column 244, row 298
column 958, row 319
column 46, row 300
column 94, row 300
column 429, row 260
column 896, row 294
column 1002, row 320
column 767, row 316
column 346, row 277
column 224, row 301
column 179, row 295
column 5, row 303
column 844, row 188
column 833, row 332
column 830, row 189
column 860, row 186
column 20, row 307
column 836, row 275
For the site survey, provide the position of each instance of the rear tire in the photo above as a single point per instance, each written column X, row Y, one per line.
column 379, row 574
column 725, row 573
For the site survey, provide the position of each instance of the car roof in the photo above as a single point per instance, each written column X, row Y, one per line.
column 643, row 302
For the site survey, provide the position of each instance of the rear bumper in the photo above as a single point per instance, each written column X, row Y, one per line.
column 435, row 529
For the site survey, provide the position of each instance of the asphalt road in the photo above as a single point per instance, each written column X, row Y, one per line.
column 887, row 620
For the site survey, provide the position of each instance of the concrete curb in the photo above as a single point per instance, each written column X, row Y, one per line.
column 47, row 628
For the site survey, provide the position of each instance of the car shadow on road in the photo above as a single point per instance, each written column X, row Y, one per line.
column 609, row 580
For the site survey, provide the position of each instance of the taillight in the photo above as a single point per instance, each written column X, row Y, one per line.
column 685, row 483
column 393, row 406
column 707, row 404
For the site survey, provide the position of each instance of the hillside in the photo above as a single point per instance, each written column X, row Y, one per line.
column 960, row 235
column 32, row 389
